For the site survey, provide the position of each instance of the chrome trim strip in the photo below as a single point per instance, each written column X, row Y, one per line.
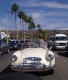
column 35, row 68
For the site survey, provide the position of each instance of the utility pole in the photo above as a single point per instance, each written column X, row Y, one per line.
column 7, row 24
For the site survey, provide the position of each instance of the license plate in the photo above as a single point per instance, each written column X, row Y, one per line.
column 35, row 61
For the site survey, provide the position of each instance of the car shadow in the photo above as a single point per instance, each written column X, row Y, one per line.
column 46, row 73
column 8, row 70
column 63, row 53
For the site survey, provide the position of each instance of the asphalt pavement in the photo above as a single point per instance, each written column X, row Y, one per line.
column 60, row 73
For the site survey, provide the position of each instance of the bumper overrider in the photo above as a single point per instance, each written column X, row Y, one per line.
column 32, row 67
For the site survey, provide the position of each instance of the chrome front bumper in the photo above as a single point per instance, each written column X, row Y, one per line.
column 60, row 47
column 32, row 67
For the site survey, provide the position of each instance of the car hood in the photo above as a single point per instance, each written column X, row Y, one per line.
column 31, row 52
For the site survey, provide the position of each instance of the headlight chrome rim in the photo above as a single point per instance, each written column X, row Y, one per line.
column 14, row 58
column 50, row 57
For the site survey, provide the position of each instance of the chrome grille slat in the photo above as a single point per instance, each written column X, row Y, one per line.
column 61, row 44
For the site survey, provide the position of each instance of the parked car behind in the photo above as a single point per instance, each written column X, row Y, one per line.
column 28, row 43
column 24, row 44
column 4, row 47
column 15, row 44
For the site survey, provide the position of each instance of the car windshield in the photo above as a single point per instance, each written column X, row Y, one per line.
column 61, row 38
column 37, row 45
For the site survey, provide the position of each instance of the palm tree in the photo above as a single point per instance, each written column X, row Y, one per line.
column 32, row 27
column 29, row 21
column 23, row 15
column 23, row 20
column 20, row 16
column 38, row 26
column 14, row 9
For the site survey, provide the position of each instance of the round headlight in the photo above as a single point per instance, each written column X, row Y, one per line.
column 14, row 58
column 50, row 57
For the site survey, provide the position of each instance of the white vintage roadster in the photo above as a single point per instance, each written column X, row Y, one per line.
column 33, row 59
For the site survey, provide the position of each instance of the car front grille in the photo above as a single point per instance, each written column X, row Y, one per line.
column 62, row 44
column 32, row 62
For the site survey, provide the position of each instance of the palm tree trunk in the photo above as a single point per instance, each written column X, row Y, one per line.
column 28, row 30
column 23, row 28
column 20, row 23
column 16, row 28
column 33, row 34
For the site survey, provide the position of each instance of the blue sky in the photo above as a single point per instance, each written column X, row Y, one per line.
column 50, row 14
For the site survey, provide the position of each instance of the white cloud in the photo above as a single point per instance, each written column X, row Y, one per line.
column 55, row 13
column 42, row 4
column 53, row 25
column 55, row 5
column 41, row 17
column 63, row 28
column 25, row 3
column 36, row 15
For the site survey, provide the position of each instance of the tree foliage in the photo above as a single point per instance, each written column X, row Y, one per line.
column 27, row 19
